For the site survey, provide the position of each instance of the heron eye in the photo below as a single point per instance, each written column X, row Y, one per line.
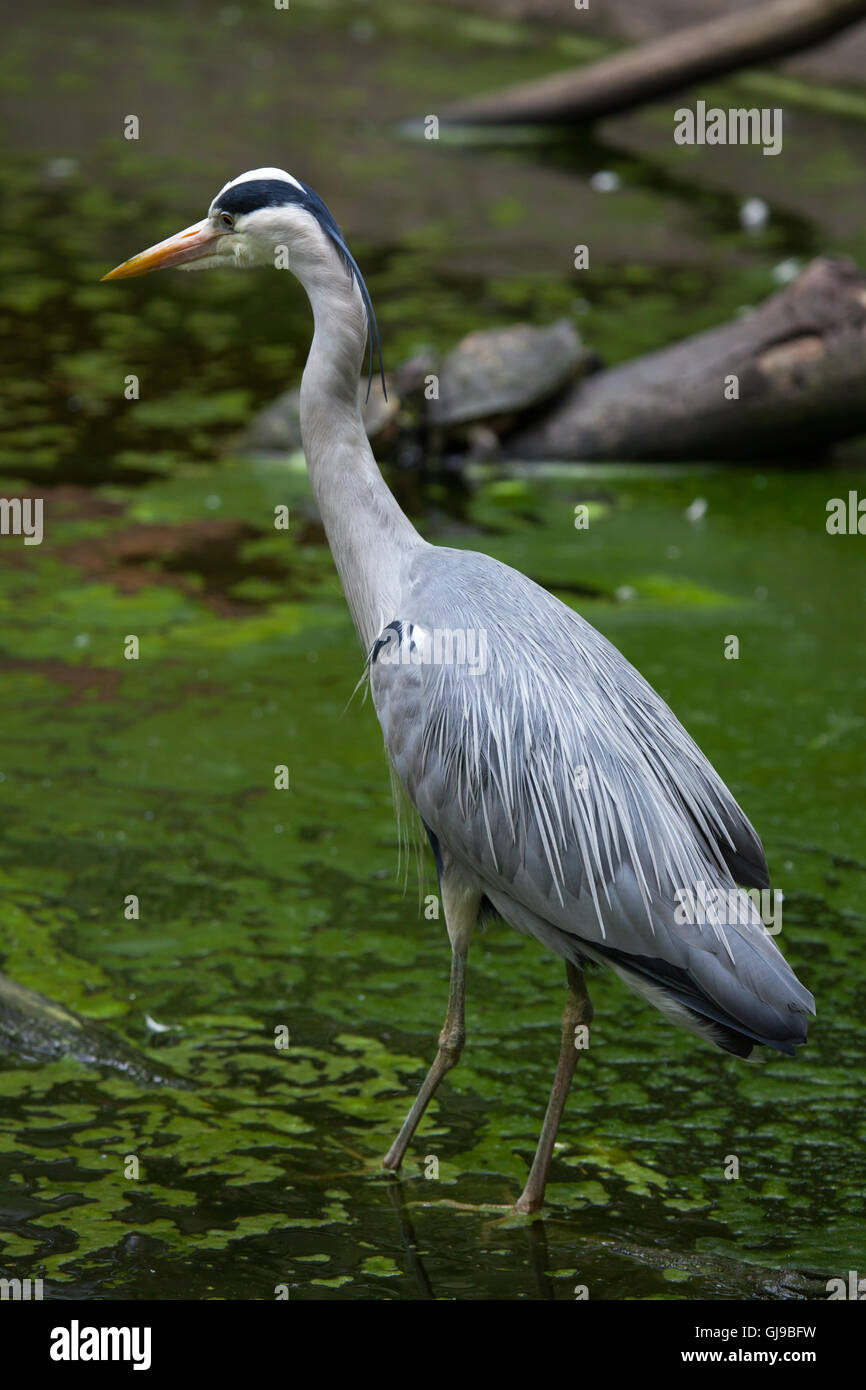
column 227, row 220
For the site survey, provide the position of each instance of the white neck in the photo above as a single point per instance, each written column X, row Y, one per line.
column 371, row 539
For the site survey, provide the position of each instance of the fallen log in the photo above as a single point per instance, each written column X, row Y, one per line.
column 788, row 378
column 639, row 75
column 36, row 1029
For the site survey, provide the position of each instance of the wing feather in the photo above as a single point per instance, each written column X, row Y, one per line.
column 555, row 773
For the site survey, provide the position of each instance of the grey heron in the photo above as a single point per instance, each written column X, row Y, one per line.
column 556, row 787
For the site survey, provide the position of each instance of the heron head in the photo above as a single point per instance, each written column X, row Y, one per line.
column 264, row 217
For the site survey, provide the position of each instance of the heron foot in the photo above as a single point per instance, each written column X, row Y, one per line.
column 450, row 1048
column 578, row 1010
column 529, row 1202
column 451, row 1041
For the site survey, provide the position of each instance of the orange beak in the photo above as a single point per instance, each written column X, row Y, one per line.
column 189, row 245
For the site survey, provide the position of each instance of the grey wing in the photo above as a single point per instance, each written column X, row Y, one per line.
column 549, row 768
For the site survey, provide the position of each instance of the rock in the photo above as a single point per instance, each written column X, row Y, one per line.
column 494, row 374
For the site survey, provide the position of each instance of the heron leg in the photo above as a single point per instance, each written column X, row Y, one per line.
column 451, row 1041
column 578, row 1010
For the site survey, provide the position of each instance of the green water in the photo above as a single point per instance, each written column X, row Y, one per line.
column 262, row 910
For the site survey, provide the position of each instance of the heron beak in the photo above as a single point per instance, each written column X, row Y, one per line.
column 189, row 245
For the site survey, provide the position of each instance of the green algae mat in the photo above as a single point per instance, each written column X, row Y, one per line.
column 259, row 944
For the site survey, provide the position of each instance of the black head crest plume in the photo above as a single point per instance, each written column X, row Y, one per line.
column 251, row 194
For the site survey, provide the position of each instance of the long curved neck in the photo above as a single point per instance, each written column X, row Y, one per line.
column 371, row 539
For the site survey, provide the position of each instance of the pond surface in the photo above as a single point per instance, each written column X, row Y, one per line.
column 263, row 910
